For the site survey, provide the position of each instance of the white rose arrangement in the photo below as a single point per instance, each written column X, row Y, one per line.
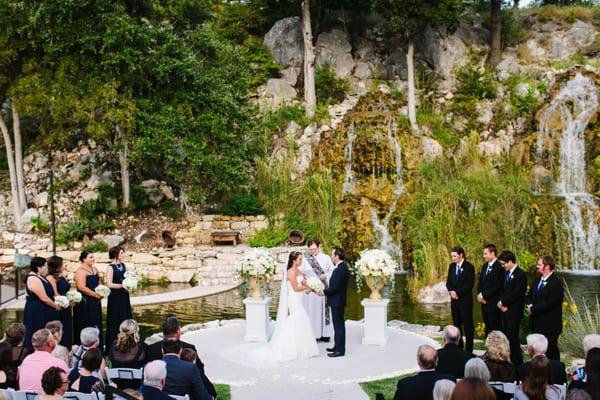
column 376, row 263
column 258, row 264
column 74, row 296
column 62, row 301
column 102, row 290
column 315, row 284
column 130, row 281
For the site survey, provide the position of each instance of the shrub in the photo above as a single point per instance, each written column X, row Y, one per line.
column 72, row 230
column 139, row 198
column 269, row 237
column 256, row 54
column 474, row 84
column 577, row 323
column 96, row 246
column 279, row 119
column 329, row 88
column 242, row 204
column 39, row 225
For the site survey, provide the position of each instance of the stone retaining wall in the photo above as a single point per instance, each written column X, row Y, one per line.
column 200, row 232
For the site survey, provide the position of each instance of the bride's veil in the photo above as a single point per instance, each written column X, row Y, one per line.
column 282, row 308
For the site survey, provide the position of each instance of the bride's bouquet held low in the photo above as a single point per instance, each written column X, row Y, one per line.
column 377, row 268
column 315, row 284
column 258, row 265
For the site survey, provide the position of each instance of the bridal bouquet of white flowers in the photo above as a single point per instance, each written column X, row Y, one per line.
column 62, row 301
column 258, row 264
column 130, row 281
column 102, row 290
column 74, row 296
column 315, row 284
column 377, row 265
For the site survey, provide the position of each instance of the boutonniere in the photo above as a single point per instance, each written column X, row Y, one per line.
column 511, row 277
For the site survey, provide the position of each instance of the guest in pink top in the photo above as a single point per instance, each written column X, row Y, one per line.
column 35, row 364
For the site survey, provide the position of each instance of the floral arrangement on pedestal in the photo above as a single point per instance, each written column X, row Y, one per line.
column 259, row 265
column 377, row 268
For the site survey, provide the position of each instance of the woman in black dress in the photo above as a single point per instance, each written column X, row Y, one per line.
column 8, row 372
column 39, row 304
column 89, row 311
column 119, row 306
column 61, row 286
column 127, row 351
column 83, row 379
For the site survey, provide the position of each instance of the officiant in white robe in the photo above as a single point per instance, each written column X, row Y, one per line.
column 317, row 264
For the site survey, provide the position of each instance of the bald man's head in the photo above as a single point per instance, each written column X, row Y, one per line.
column 451, row 334
column 427, row 357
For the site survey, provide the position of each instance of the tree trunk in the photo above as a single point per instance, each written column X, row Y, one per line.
column 19, row 158
column 11, row 170
column 310, row 96
column 515, row 4
column 123, row 153
column 495, row 55
column 412, row 113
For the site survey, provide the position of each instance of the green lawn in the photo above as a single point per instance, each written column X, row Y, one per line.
column 223, row 391
column 386, row 386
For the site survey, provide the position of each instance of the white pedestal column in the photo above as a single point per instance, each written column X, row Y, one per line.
column 257, row 319
column 375, row 331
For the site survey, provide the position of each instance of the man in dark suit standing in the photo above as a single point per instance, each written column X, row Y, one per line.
column 544, row 304
column 537, row 345
column 452, row 359
column 182, row 376
column 460, row 281
column 512, row 302
column 336, row 299
column 420, row 386
column 488, row 289
column 155, row 375
column 172, row 332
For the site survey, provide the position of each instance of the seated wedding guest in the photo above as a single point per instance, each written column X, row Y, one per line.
column 54, row 384
column 476, row 368
column 536, row 346
column 36, row 363
column 8, row 372
column 442, row 390
column 589, row 342
column 127, row 351
column 83, row 379
column 536, row 385
column 90, row 339
column 60, row 351
column 14, row 335
column 497, row 357
column 591, row 384
column 189, row 355
column 420, row 386
column 578, row 394
column 472, row 389
column 182, row 376
column 172, row 331
column 155, row 375
column 451, row 358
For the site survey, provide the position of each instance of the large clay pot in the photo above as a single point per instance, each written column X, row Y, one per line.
column 255, row 290
column 375, row 287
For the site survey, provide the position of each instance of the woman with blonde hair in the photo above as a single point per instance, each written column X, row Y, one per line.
column 127, row 351
column 497, row 357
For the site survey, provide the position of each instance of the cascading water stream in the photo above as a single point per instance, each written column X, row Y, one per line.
column 349, row 187
column 576, row 104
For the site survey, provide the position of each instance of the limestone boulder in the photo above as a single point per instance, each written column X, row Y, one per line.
column 144, row 258
column 334, row 49
column 284, row 41
column 445, row 53
column 278, row 92
column 435, row 294
column 432, row 149
column 395, row 67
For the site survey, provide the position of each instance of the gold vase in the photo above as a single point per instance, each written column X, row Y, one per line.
column 375, row 287
column 255, row 290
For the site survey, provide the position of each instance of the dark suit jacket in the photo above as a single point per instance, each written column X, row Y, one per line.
column 558, row 376
column 152, row 393
column 546, row 309
column 419, row 386
column 463, row 285
column 154, row 352
column 338, row 284
column 490, row 285
column 184, row 378
column 513, row 294
column 452, row 360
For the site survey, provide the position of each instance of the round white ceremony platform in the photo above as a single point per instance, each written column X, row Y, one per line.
column 320, row 377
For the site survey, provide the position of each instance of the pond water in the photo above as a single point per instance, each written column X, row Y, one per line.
column 228, row 305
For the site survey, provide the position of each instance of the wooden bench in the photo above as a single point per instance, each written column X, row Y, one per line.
column 225, row 236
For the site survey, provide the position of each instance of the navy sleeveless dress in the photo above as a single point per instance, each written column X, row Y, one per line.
column 65, row 315
column 88, row 312
column 119, row 306
column 36, row 313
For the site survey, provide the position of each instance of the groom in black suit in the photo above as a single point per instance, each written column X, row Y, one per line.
column 336, row 299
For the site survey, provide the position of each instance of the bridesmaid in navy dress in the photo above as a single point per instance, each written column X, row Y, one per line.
column 89, row 311
column 61, row 286
column 119, row 306
column 39, row 304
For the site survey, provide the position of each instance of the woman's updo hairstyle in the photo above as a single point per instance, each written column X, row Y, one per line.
column 293, row 257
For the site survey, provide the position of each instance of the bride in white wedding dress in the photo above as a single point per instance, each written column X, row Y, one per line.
column 293, row 338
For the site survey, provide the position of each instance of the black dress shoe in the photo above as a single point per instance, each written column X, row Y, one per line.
column 330, row 349
column 335, row 354
column 325, row 339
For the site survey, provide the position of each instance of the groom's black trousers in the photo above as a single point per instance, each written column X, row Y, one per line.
column 339, row 328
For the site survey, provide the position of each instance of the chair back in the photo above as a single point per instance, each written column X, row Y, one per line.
column 24, row 395
column 80, row 396
column 506, row 387
column 562, row 389
column 123, row 373
column 186, row 397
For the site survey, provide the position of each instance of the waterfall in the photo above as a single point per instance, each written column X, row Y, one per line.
column 381, row 227
column 349, row 187
column 576, row 104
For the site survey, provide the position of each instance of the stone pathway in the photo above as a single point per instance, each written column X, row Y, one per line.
column 317, row 378
column 184, row 294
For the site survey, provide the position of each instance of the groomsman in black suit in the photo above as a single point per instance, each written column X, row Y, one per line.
column 512, row 302
column 336, row 299
column 488, row 289
column 544, row 304
column 460, row 281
